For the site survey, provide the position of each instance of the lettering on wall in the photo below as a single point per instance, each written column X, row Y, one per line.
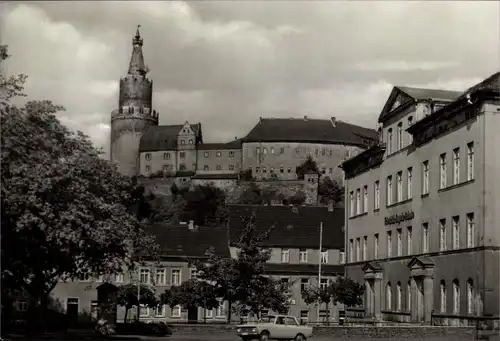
column 399, row 218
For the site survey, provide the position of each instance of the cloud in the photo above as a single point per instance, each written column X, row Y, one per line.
column 225, row 64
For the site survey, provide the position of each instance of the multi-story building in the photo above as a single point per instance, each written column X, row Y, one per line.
column 273, row 148
column 295, row 257
column 422, row 219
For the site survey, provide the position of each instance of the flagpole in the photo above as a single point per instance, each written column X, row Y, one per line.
column 319, row 259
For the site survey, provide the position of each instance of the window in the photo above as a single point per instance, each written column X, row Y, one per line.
column 351, row 204
column 182, row 155
column 282, row 150
column 376, row 246
column 220, row 311
column 324, row 283
column 231, row 167
column 365, row 247
column 456, row 232
column 285, row 256
column 218, row 167
column 399, row 248
column 272, row 150
column 289, row 169
column 22, row 306
column 409, row 184
column 165, row 167
column 160, row 276
column 470, row 296
column 388, row 297
column 176, row 311
column 400, row 136
column 257, row 169
column 206, row 168
column 442, row 171
column 456, row 166
column 231, row 154
column 264, row 150
column 410, row 136
column 399, row 297
column 323, row 152
column 175, row 277
column 365, row 199
column 193, row 273
column 147, row 156
column 257, row 150
column 409, row 245
column 425, row 237
column 389, row 243
column 264, row 169
column 183, row 142
column 303, row 256
column 456, row 297
column 358, row 249
column 304, row 282
column 119, row 278
column 342, row 257
column 144, row 311
column 351, row 251
column 144, row 276
column 190, row 141
column 389, row 190
column 324, row 257
column 160, row 311
column 148, row 168
column 443, row 296
column 182, row 167
column 425, row 177
column 358, row 201
column 218, row 154
column 282, row 169
column 442, row 235
column 206, row 154
column 471, row 233
column 408, row 296
column 304, row 315
column 166, row 156
column 399, row 192
column 316, row 151
column 470, row 161
column 389, row 141
column 376, row 200
column 209, row 313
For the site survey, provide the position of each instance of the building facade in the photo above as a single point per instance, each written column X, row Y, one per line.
column 272, row 149
column 421, row 225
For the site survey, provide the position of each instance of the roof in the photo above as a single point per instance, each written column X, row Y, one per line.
column 235, row 144
column 309, row 130
column 303, row 269
column 179, row 241
column 408, row 95
column 293, row 227
column 157, row 138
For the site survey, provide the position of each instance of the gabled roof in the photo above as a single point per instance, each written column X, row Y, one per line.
column 407, row 95
column 309, row 130
column 158, row 138
column 179, row 241
column 421, row 261
column 372, row 266
column 235, row 144
column 296, row 227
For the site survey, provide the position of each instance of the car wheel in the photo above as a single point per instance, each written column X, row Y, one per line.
column 300, row 337
column 264, row 336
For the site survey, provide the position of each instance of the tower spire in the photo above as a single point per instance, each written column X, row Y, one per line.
column 137, row 66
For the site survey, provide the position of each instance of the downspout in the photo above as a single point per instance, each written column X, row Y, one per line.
column 483, row 208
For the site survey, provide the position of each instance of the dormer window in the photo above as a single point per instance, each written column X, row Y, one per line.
column 148, row 156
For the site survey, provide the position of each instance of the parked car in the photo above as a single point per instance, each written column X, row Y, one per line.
column 274, row 327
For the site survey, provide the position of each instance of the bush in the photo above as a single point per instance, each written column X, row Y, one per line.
column 141, row 328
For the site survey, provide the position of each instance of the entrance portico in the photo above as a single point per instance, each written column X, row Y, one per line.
column 422, row 285
column 373, row 290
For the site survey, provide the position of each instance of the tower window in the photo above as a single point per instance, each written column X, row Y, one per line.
column 148, row 156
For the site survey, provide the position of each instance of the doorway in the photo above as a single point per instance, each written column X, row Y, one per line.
column 72, row 311
column 193, row 315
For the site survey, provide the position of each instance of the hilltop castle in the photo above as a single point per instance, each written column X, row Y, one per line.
column 272, row 149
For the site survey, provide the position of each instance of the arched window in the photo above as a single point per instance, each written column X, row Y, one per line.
column 443, row 296
column 148, row 156
column 388, row 297
column 470, row 296
column 456, row 296
column 408, row 296
column 410, row 136
column 400, row 135
column 389, row 141
column 399, row 297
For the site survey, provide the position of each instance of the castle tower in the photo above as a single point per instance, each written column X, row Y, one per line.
column 134, row 114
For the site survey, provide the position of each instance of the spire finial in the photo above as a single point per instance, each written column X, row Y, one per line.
column 137, row 39
column 137, row 34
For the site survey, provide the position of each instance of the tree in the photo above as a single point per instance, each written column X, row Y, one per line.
column 298, row 198
column 309, row 165
column 66, row 211
column 128, row 298
column 315, row 294
column 246, row 175
column 346, row 291
column 9, row 86
column 191, row 295
column 330, row 191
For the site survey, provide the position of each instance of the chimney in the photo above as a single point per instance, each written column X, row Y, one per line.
column 236, row 137
column 191, row 225
column 305, row 117
column 334, row 121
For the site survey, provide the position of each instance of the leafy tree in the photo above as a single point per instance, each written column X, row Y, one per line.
column 346, row 291
column 315, row 294
column 66, row 211
column 251, row 195
column 128, row 298
column 9, row 86
column 330, row 191
column 298, row 198
column 191, row 295
column 246, row 175
column 307, row 166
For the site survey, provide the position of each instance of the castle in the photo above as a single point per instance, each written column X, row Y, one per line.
column 272, row 149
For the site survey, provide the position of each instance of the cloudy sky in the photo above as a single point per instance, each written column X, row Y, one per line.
column 227, row 63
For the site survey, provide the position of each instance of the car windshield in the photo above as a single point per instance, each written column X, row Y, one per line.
column 267, row 319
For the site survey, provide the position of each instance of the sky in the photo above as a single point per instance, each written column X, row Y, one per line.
column 227, row 63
